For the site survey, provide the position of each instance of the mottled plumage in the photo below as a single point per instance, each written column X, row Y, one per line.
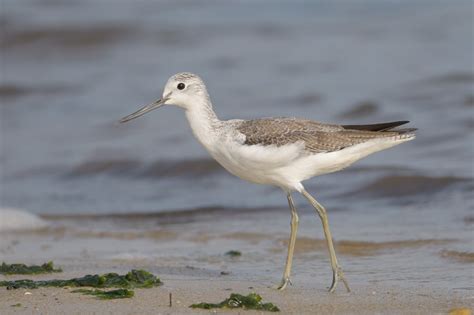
column 317, row 137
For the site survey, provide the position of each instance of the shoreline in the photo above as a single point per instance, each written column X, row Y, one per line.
column 388, row 273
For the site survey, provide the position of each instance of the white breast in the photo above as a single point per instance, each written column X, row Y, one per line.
column 255, row 163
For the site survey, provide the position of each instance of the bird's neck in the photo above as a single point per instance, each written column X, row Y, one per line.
column 204, row 122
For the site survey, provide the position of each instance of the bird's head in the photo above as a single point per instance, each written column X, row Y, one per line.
column 183, row 89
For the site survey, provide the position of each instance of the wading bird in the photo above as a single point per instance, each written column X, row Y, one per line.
column 282, row 152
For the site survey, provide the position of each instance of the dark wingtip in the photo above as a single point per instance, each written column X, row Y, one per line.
column 377, row 127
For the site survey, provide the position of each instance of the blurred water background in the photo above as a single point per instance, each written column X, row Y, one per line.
column 71, row 69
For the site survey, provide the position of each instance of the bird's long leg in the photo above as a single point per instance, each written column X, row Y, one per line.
column 336, row 269
column 291, row 244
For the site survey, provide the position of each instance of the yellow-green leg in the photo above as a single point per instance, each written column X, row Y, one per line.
column 291, row 244
column 337, row 273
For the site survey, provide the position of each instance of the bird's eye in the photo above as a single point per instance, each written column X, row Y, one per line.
column 181, row 86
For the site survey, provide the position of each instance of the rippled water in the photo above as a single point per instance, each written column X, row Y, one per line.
column 72, row 70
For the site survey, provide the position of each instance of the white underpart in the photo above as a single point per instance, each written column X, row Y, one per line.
column 324, row 163
column 284, row 166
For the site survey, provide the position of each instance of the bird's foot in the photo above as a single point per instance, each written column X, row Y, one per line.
column 337, row 275
column 283, row 284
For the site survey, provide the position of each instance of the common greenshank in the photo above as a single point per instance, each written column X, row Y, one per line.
column 282, row 152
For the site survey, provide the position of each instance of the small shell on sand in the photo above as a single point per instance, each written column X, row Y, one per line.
column 460, row 311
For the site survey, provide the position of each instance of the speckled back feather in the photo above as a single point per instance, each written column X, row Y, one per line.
column 317, row 137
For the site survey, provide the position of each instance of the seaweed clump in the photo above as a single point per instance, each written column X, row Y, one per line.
column 253, row 301
column 107, row 295
column 22, row 269
column 133, row 279
column 233, row 253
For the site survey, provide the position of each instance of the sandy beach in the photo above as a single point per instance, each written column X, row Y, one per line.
column 388, row 277
column 365, row 300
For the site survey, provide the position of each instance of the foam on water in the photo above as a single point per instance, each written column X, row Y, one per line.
column 14, row 219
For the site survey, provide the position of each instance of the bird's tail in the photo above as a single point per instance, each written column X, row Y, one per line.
column 405, row 133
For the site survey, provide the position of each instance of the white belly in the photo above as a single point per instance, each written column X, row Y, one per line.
column 257, row 164
column 287, row 166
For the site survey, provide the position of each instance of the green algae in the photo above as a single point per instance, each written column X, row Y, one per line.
column 133, row 279
column 22, row 269
column 233, row 253
column 107, row 295
column 253, row 301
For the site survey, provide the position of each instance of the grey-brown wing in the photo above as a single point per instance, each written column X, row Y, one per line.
column 317, row 137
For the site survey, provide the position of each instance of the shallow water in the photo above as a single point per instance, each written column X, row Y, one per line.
column 70, row 71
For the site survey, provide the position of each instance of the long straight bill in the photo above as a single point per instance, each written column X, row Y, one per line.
column 144, row 110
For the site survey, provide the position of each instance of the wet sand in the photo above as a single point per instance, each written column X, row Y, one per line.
column 402, row 276
column 364, row 300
